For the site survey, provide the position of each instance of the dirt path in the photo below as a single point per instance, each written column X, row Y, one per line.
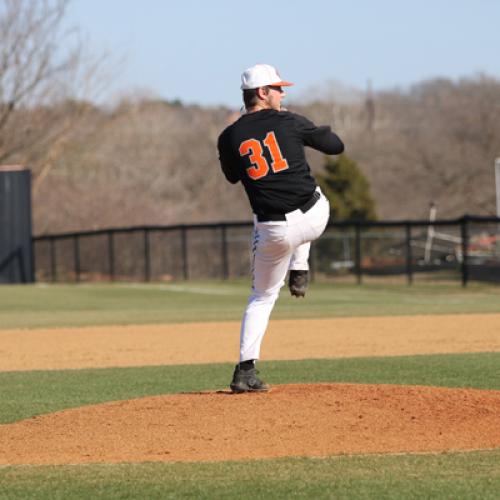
column 218, row 342
column 291, row 420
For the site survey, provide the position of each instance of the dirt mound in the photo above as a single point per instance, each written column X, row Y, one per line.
column 291, row 420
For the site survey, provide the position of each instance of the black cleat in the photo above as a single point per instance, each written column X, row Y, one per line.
column 297, row 283
column 247, row 381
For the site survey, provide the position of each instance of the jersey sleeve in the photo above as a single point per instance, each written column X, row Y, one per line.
column 320, row 138
column 226, row 160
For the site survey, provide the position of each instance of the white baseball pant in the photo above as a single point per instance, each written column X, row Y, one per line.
column 277, row 247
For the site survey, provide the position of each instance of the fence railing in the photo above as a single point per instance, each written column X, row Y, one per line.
column 465, row 248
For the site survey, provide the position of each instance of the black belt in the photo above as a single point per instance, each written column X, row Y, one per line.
column 304, row 208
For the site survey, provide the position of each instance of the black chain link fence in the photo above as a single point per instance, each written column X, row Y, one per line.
column 460, row 249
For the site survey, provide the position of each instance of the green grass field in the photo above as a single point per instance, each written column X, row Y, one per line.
column 452, row 476
column 23, row 394
column 118, row 304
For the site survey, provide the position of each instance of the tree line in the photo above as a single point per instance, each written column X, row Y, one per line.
column 153, row 161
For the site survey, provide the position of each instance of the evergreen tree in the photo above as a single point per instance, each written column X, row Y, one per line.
column 348, row 190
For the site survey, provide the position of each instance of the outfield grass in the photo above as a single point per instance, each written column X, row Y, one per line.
column 36, row 306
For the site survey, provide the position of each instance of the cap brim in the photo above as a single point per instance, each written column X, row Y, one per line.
column 275, row 84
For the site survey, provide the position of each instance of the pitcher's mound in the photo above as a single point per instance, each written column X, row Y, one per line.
column 290, row 420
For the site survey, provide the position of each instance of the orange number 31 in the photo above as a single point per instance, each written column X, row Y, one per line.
column 254, row 150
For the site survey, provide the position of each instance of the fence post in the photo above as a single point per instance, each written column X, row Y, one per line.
column 312, row 262
column 33, row 258
column 111, row 256
column 357, row 246
column 465, row 243
column 224, row 253
column 409, row 256
column 76, row 250
column 184, row 251
column 53, row 267
column 147, row 257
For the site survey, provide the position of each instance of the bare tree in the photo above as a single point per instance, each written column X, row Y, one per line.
column 41, row 66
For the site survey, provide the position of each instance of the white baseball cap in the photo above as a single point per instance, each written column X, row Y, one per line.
column 261, row 75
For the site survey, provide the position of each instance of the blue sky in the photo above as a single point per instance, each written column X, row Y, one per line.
column 195, row 50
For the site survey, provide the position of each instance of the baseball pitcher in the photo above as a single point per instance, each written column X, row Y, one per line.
column 264, row 149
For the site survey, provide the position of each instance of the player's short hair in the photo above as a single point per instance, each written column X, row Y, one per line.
column 250, row 98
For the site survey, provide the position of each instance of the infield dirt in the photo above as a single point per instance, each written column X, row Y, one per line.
column 195, row 343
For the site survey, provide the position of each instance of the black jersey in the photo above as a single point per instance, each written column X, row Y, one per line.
column 265, row 151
